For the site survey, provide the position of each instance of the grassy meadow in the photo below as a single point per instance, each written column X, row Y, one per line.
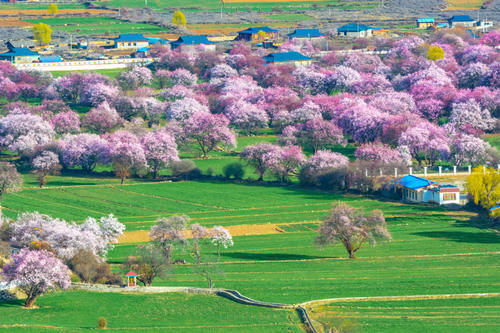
column 424, row 315
column 434, row 251
column 78, row 311
column 232, row 5
column 97, row 25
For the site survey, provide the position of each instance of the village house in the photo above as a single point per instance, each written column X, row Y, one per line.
column 461, row 21
column 425, row 23
column 191, row 43
column 18, row 55
column 353, row 30
column 294, row 58
column 254, row 34
column 131, row 41
column 417, row 189
column 310, row 34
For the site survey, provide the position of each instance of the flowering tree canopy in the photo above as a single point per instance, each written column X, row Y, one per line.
column 46, row 163
column 127, row 153
column 426, row 142
column 23, row 132
column 247, row 117
column 352, row 227
column 469, row 149
column 102, row 118
column 36, row 272
column 86, row 150
column 66, row 122
column 182, row 109
column 209, row 132
column 258, row 155
column 324, row 159
column 160, row 149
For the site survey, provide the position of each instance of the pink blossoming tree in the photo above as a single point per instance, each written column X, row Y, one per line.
column 36, row 272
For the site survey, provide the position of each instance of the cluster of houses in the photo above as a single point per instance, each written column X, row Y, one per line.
column 464, row 21
column 138, row 45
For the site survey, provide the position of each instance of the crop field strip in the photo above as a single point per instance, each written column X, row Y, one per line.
column 214, row 314
column 97, row 25
column 467, row 314
column 139, row 205
column 240, row 5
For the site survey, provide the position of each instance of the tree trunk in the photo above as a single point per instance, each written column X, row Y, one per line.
column 123, row 180
column 30, row 301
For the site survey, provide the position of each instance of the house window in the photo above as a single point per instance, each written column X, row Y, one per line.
column 449, row 196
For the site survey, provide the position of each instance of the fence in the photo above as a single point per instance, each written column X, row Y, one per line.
column 85, row 64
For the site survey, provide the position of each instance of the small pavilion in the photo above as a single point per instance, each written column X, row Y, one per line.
column 131, row 279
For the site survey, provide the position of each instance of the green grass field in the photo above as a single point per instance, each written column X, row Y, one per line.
column 78, row 311
column 493, row 140
column 97, row 25
column 213, row 5
column 27, row 6
column 112, row 73
column 429, row 315
column 432, row 252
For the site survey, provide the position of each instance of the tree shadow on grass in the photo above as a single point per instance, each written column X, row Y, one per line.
column 270, row 256
column 462, row 236
column 11, row 303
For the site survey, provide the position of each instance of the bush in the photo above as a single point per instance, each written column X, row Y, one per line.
column 307, row 177
column 332, row 179
column 102, row 323
column 234, row 170
column 89, row 268
column 185, row 169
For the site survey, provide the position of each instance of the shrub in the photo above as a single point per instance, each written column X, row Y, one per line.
column 90, row 269
column 185, row 169
column 102, row 323
column 234, row 170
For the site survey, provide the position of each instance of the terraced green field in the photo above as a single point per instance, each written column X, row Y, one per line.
column 428, row 315
column 433, row 251
column 241, row 5
column 78, row 311
column 97, row 25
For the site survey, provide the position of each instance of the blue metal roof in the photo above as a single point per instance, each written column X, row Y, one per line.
column 192, row 40
column 154, row 40
column 50, row 59
column 351, row 27
column 461, row 18
column 425, row 20
column 306, row 33
column 413, row 182
column 131, row 38
column 256, row 30
column 494, row 208
column 143, row 49
column 285, row 56
column 19, row 52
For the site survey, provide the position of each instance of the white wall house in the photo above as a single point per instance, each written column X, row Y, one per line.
column 131, row 41
column 417, row 189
